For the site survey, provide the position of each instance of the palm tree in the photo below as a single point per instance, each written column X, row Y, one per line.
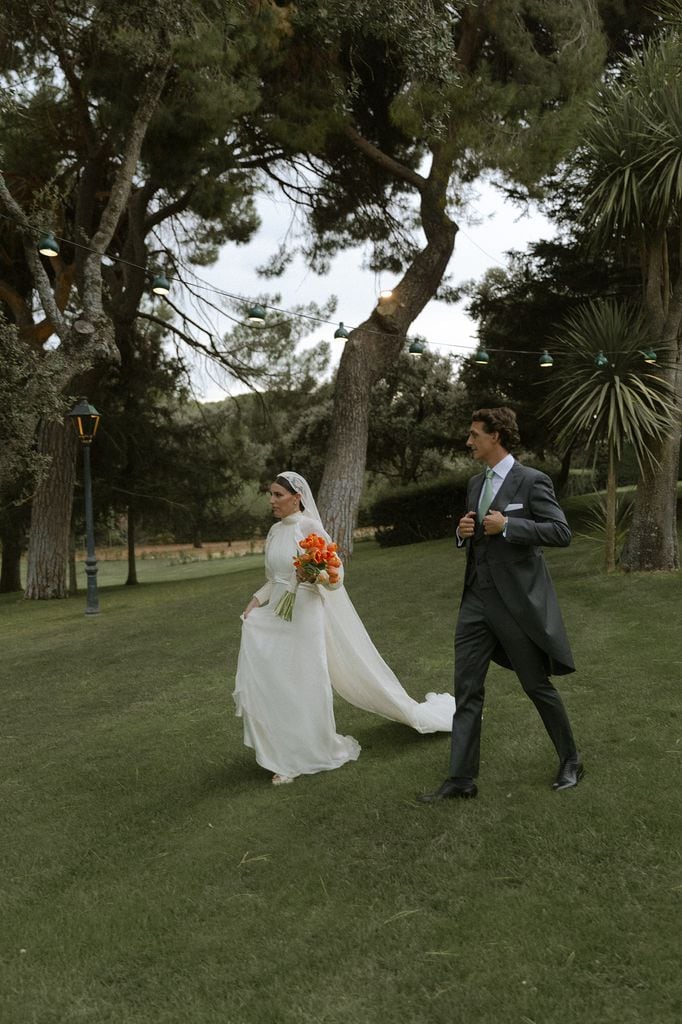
column 632, row 160
column 606, row 392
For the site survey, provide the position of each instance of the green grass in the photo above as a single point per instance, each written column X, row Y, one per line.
column 152, row 875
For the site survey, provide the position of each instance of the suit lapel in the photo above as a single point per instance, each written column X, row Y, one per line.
column 475, row 488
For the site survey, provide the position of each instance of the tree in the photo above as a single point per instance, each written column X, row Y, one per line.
column 422, row 98
column 122, row 140
column 602, row 391
column 632, row 186
column 26, row 394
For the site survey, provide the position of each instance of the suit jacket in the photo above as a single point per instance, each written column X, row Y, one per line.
column 515, row 563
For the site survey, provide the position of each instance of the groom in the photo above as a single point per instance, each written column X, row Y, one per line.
column 509, row 611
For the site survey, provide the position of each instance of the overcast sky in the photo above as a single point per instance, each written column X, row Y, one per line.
column 494, row 228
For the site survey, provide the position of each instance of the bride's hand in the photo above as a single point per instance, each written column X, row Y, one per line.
column 303, row 576
column 253, row 603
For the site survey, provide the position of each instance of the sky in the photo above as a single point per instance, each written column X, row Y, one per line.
column 493, row 227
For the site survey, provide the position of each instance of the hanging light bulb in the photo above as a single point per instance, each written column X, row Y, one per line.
column 48, row 245
column 600, row 360
column 256, row 315
column 649, row 356
column 385, row 294
column 341, row 333
column 481, row 357
column 417, row 347
column 546, row 360
column 161, row 285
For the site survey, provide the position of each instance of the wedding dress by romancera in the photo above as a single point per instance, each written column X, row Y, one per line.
column 286, row 670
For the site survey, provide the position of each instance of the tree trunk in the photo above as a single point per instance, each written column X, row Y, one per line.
column 132, row 580
column 48, row 548
column 368, row 353
column 611, row 508
column 12, row 539
column 652, row 540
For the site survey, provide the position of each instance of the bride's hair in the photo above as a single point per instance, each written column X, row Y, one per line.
column 283, row 482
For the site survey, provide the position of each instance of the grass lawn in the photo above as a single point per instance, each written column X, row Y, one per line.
column 151, row 874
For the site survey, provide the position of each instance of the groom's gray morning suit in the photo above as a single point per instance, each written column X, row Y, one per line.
column 510, row 613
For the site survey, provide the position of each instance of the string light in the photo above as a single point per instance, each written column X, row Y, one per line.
column 161, row 285
column 48, row 246
column 256, row 314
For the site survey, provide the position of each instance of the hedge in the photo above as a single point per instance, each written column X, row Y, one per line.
column 422, row 511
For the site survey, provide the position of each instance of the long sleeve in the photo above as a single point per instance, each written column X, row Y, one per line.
column 262, row 595
column 548, row 527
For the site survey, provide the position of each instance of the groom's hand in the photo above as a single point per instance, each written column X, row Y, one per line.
column 494, row 523
column 467, row 525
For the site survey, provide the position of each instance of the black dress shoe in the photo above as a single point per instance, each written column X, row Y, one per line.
column 570, row 773
column 449, row 790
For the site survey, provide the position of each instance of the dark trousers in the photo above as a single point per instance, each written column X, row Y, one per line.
column 483, row 622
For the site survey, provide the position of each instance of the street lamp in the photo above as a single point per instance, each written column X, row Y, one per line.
column 85, row 419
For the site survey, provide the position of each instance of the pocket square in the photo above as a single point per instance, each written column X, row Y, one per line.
column 513, row 508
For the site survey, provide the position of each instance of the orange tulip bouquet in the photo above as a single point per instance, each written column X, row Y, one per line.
column 321, row 564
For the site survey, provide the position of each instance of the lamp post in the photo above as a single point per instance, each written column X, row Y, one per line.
column 85, row 419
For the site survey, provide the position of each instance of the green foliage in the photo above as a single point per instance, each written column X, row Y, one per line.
column 419, row 418
column 633, row 159
column 420, row 512
column 499, row 86
column 624, row 400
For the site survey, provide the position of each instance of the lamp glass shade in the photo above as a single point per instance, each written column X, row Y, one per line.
column 85, row 419
column 161, row 285
column 48, row 245
column 600, row 360
column 341, row 332
column 417, row 347
column 546, row 360
column 256, row 315
column 649, row 356
column 481, row 357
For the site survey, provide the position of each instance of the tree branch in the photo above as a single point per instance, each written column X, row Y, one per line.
column 40, row 278
column 177, row 206
column 387, row 163
column 122, row 186
column 20, row 311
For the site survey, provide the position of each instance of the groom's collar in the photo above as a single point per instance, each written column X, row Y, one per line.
column 503, row 466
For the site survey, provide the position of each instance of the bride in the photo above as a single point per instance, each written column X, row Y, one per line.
column 286, row 669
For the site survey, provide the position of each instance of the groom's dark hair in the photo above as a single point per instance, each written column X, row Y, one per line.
column 501, row 421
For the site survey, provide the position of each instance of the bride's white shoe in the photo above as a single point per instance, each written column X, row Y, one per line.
column 281, row 780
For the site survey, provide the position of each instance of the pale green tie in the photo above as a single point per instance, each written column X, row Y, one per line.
column 486, row 495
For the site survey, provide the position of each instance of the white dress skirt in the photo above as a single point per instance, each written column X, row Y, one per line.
column 286, row 671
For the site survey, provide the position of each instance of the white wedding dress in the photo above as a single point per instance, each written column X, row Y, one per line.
column 286, row 670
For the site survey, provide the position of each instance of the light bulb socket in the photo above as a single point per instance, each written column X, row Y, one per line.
column 256, row 315
column 48, row 245
column 161, row 285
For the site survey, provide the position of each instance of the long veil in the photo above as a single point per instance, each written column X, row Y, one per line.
column 358, row 672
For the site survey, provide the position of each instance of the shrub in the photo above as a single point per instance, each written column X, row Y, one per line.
column 424, row 511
